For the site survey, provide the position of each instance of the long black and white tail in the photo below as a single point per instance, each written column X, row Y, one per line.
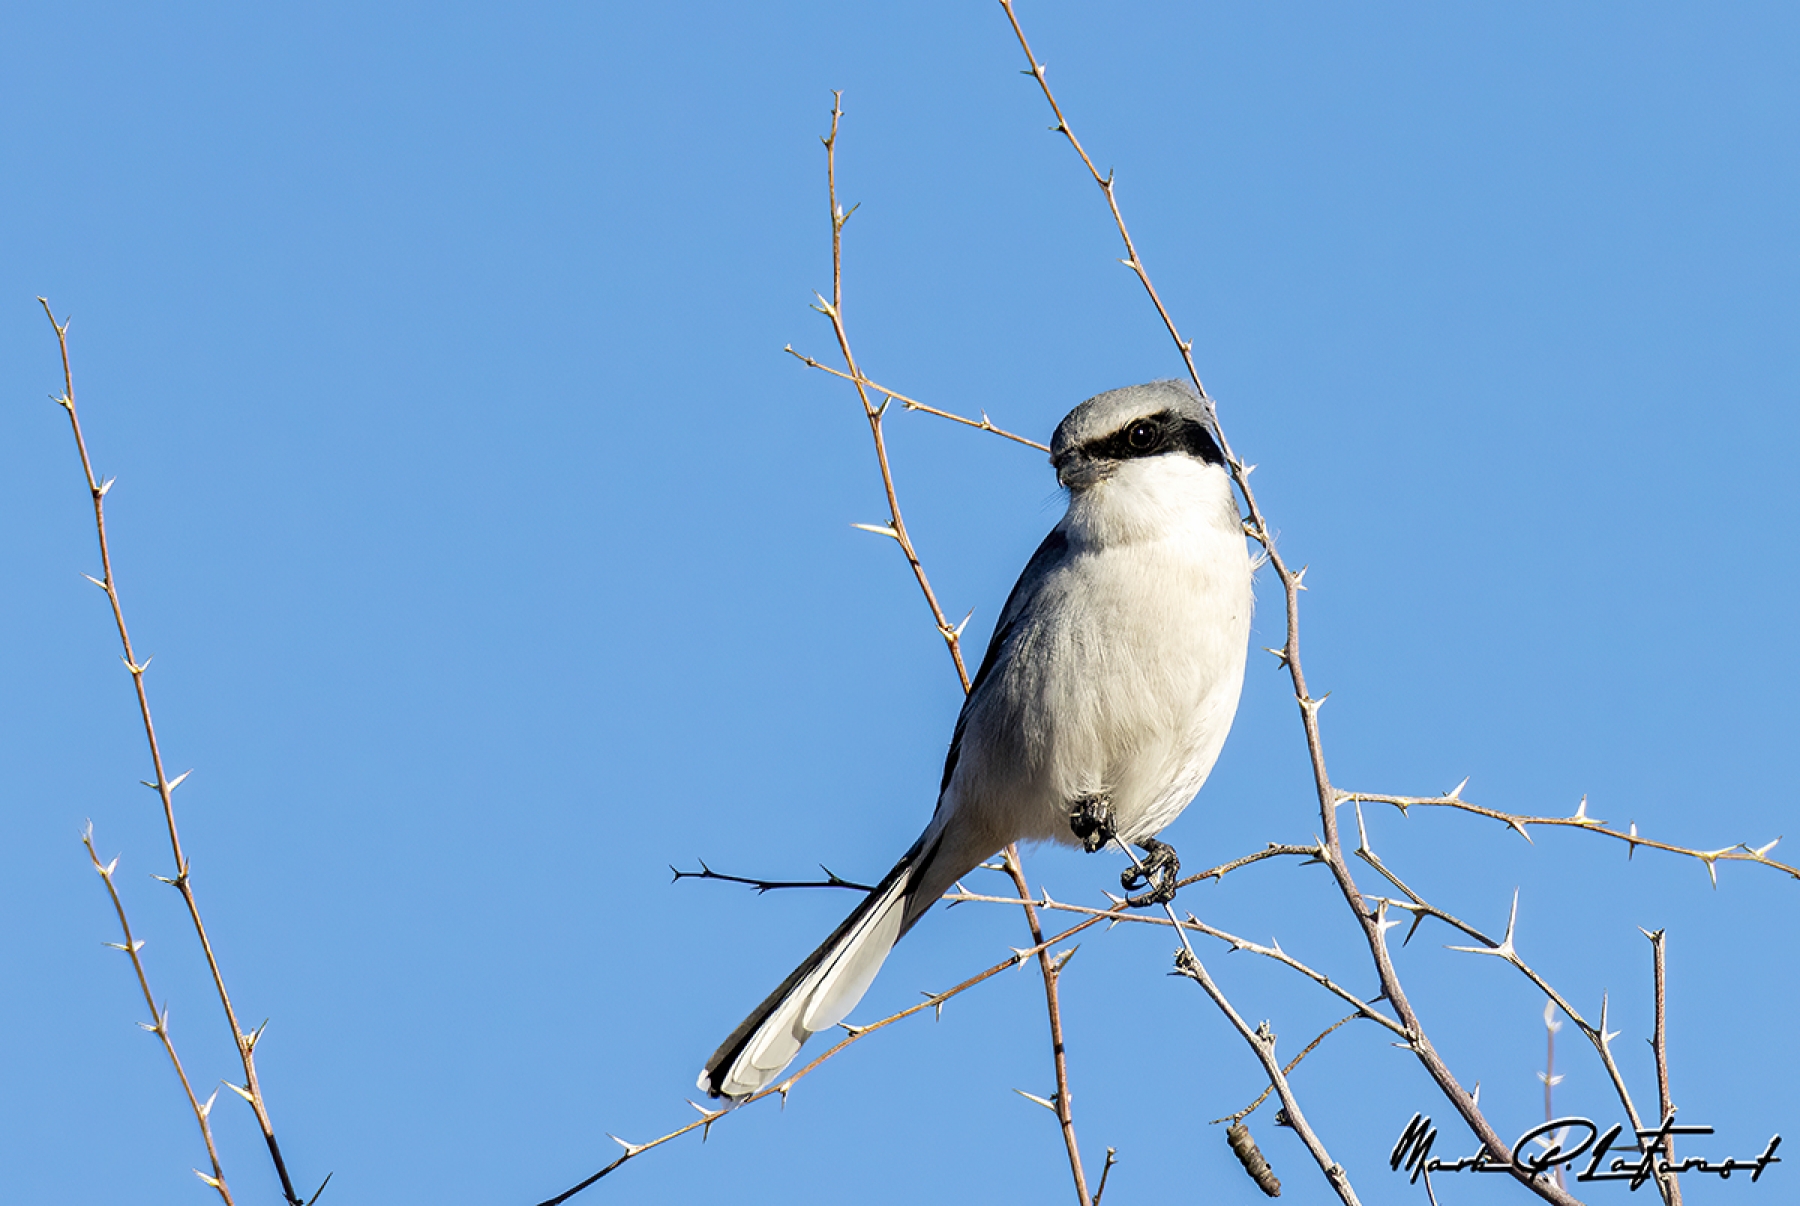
column 821, row 991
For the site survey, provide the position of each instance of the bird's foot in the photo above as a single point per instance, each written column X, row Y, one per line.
column 1158, row 871
column 1091, row 820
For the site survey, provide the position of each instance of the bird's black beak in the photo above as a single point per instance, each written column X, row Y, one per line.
column 1076, row 470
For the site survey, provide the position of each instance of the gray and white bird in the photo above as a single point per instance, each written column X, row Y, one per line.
column 1104, row 699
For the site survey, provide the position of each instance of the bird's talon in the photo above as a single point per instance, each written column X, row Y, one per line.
column 1158, row 871
column 1091, row 820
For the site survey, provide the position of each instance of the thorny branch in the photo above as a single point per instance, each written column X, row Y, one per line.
column 982, row 424
column 1506, row 949
column 834, row 310
column 1131, row 260
column 1273, row 850
column 831, row 880
column 932, row 1001
column 1051, row 967
column 1579, row 819
column 1287, row 1069
column 1263, row 1044
column 1118, row 913
column 1261, row 1040
column 1659, row 1044
column 160, row 1027
column 164, row 786
column 1258, row 528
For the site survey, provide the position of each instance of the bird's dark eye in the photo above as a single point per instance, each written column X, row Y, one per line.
column 1141, row 436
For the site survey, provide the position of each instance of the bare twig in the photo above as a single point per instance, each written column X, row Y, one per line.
column 160, row 1026
column 832, row 880
column 1119, row 913
column 1105, row 182
column 1550, row 1078
column 1105, row 1172
column 1287, row 1069
column 164, row 786
column 1506, row 949
column 1272, row 850
column 1743, row 852
column 1261, row 1040
column 1052, row 970
column 982, row 424
column 932, row 1001
column 1263, row 1044
column 1659, row 1043
column 834, row 310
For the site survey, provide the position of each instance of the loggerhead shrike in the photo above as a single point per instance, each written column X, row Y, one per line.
column 1103, row 701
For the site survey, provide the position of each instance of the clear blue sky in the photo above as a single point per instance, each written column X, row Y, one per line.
column 495, row 557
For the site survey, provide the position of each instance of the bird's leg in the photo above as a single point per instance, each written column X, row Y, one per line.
column 1091, row 820
column 1158, row 872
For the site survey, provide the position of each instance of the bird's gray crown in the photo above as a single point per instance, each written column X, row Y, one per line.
column 1137, row 421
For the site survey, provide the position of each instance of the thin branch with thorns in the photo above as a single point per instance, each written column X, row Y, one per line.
column 1659, row 1045
column 1505, row 948
column 834, row 310
column 982, row 424
column 932, row 1001
column 952, row 635
column 1288, row 1069
column 163, row 785
column 831, row 880
column 1036, row 71
column 1051, row 967
column 1118, row 913
column 133, row 947
column 1263, row 1044
column 1743, row 852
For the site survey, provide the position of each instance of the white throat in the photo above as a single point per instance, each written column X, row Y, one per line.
column 1157, row 498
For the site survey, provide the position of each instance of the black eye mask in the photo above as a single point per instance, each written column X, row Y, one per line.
column 1154, row 435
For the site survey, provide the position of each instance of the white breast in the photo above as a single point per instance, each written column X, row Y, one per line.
column 1123, row 676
